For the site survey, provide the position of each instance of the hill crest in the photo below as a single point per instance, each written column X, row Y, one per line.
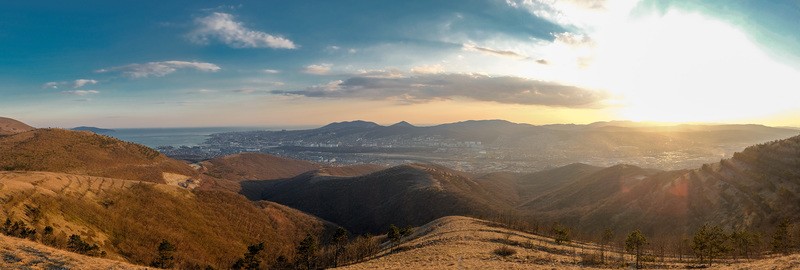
column 10, row 126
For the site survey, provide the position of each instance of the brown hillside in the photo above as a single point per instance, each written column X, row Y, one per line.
column 402, row 195
column 254, row 166
column 257, row 166
column 467, row 243
column 86, row 153
column 10, row 126
column 128, row 219
column 755, row 189
column 25, row 254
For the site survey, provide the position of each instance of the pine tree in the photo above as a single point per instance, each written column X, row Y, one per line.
column 306, row 250
column 166, row 257
column 340, row 239
column 780, row 240
column 250, row 260
column 394, row 233
column 634, row 243
column 608, row 234
column 709, row 242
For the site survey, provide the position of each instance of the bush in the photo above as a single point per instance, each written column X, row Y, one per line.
column 505, row 251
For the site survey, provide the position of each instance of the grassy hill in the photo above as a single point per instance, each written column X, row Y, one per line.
column 128, row 219
column 755, row 189
column 404, row 195
column 25, row 254
column 10, row 126
column 86, row 153
column 467, row 243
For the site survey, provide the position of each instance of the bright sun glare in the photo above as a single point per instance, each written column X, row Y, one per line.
column 687, row 68
column 673, row 67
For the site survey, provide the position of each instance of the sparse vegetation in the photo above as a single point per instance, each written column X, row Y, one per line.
column 505, row 251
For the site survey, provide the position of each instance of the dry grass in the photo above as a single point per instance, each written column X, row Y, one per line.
column 86, row 153
column 467, row 243
column 24, row 254
column 128, row 219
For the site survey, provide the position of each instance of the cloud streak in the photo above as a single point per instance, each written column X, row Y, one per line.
column 224, row 28
column 159, row 69
column 474, row 48
column 74, row 84
column 80, row 92
column 430, row 87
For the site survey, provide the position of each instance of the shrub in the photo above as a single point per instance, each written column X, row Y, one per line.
column 505, row 251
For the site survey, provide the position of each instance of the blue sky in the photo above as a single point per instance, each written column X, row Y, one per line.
column 235, row 63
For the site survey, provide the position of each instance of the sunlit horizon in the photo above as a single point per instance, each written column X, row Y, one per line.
column 534, row 62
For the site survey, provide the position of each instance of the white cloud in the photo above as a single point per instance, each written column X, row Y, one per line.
column 81, row 82
column 74, row 84
column 271, row 71
column 222, row 26
column 318, row 69
column 80, row 92
column 159, row 69
column 51, row 85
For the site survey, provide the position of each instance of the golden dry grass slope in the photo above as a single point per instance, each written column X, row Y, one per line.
column 128, row 219
column 25, row 254
column 10, row 126
column 86, row 153
column 456, row 242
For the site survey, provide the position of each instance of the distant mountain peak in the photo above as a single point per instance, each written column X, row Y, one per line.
column 93, row 129
column 403, row 124
column 351, row 124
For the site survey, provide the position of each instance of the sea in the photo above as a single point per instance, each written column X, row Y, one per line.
column 176, row 137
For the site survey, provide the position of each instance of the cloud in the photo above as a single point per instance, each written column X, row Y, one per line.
column 572, row 39
column 159, row 69
column 490, row 51
column 271, row 71
column 222, row 27
column 80, row 92
column 428, row 69
column 74, row 84
column 318, row 69
column 81, row 82
column 430, row 87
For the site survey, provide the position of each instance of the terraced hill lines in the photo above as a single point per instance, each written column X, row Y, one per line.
column 128, row 219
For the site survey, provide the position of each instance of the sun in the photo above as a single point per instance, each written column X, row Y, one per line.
column 677, row 67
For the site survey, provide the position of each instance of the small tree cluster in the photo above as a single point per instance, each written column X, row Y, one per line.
column 250, row 261
column 709, row 242
column 77, row 245
column 18, row 229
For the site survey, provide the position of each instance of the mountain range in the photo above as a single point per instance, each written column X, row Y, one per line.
column 126, row 198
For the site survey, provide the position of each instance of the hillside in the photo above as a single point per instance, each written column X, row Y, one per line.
column 25, row 254
column 403, row 195
column 10, row 126
column 466, row 243
column 254, row 166
column 86, row 153
column 128, row 219
column 755, row 189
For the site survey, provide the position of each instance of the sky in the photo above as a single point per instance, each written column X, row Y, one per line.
column 167, row 63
